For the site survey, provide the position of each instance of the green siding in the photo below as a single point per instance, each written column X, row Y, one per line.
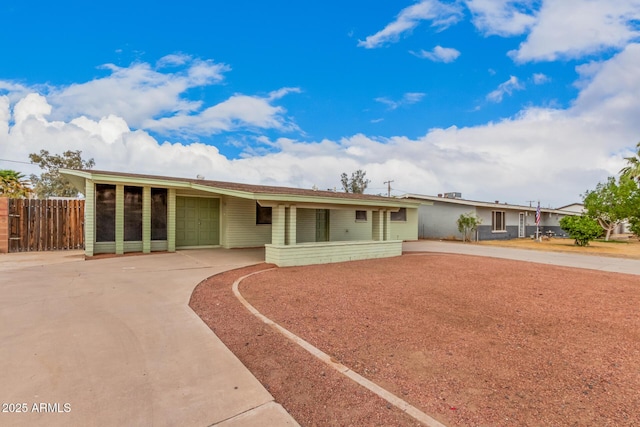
column 119, row 219
column 405, row 230
column 328, row 252
column 146, row 219
column 159, row 245
column 344, row 226
column 306, row 225
column 171, row 220
column 132, row 247
column 239, row 224
column 104, row 248
column 89, row 218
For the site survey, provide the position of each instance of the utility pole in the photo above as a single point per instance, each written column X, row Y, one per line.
column 530, row 201
column 388, row 188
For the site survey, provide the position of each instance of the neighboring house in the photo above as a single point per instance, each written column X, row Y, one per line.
column 143, row 213
column 500, row 221
column 574, row 207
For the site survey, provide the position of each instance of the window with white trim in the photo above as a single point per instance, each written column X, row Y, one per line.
column 498, row 222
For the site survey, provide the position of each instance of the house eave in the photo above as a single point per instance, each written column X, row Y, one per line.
column 78, row 178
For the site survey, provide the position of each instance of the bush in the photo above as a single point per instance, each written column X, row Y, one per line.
column 467, row 223
column 581, row 228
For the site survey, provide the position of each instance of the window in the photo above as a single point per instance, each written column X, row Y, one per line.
column 263, row 214
column 105, row 213
column 132, row 214
column 498, row 221
column 158, row 214
column 361, row 215
column 401, row 215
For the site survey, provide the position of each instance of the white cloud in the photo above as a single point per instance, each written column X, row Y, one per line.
column 575, row 28
column 542, row 153
column 239, row 111
column 438, row 54
column 31, row 106
column 280, row 93
column 540, row 78
column 441, row 14
column 136, row 93
column 502, row 17
column 407, row 99
column 151, row 99
column 507, row 87
column 173, row 60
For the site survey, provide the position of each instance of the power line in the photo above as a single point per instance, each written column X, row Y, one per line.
column 15, row 161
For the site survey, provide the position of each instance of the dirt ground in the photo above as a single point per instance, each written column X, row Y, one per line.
column 470, row 341
column 623, row 246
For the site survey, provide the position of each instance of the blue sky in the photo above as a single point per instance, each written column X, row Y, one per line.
column 498, row 99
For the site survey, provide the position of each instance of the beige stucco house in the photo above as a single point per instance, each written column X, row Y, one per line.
column 143, row 213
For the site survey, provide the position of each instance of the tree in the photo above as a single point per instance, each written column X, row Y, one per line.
column 13, row 184
column 51, row 183
column 467, row 224
column 632, row 170
column 356, row 184
column 581, row 228
column 613, row 202
column 634, row 225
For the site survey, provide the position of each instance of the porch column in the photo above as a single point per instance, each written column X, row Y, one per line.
column 278, row 225
column 146, row 220
column 119, row 219
column 377, row 224
column 89, row 217
column 387, row 225
column 291, row 236
column 171, row 220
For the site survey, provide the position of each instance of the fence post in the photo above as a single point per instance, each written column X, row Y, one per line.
column 4, row 225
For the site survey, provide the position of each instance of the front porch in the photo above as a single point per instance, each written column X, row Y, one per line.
column 286, row 249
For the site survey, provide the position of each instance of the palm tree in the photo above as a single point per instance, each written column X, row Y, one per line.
column 13, row 184
column 632, row 170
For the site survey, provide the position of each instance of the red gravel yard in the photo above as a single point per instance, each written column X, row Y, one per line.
column 471, row 341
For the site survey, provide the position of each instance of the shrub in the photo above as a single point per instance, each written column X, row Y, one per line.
column 467, row 223
column 581, row 228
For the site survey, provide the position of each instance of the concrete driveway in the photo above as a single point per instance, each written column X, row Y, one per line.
column 113, row 342
column 610, row 264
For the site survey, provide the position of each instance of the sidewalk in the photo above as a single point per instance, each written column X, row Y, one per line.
column 113, row 342
column 611, row 264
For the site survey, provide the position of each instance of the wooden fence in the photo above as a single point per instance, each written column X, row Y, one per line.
column 45, row 225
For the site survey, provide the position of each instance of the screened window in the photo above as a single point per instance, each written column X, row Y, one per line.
column 158, row 214
column 105, row 213
column 401, row 215
column 132, row 214
column 263, row 214
column 361, row 215
column 498, row 221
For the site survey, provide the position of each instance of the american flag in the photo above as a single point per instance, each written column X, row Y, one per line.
column 538, row 214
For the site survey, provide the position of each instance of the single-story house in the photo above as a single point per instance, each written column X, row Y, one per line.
column 437, row 219
column 144, row 213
